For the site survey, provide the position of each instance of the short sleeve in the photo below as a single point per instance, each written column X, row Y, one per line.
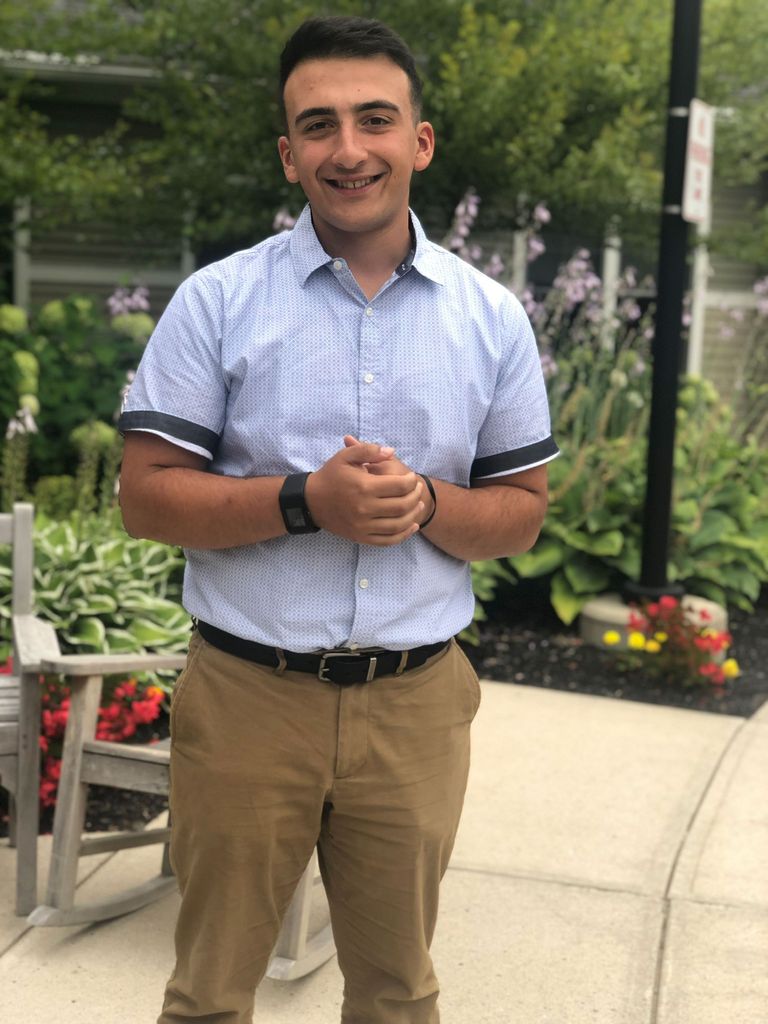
column 516, row 433
column 179, row 391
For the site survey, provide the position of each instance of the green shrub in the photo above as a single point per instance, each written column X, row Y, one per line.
column 101, row 589
column 55, row 497
column 592, row 536
column 82, row 359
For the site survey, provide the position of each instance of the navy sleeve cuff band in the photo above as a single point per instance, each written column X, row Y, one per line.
column 174, row 426
column 510, row 462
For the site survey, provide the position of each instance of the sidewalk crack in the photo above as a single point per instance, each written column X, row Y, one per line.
column 666, row 900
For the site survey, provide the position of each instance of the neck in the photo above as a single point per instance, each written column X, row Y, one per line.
column 371, row 256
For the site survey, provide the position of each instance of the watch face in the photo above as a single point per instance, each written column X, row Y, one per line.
column 296, row 519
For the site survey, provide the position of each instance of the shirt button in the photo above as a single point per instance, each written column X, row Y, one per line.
column 337, row 265
column 368, row 378
column 369, row 311
column 364, row 584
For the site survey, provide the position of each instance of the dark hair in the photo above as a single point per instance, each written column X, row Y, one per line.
column 319, row 38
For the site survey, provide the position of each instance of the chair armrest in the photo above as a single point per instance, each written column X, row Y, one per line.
column 33, row 640
column 110, row 664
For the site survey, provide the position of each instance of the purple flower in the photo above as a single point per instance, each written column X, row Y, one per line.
column 761, row 287
column 687, row 319
column 630, row 310
column 548, row 366
column 535, row 248
column 541, row 214
column 283, row 220
column 123, row 301
column 494, row 267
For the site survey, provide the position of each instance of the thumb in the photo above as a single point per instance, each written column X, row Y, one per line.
column 350, row 441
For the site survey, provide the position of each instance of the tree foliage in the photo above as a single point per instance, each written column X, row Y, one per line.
column 562, row 100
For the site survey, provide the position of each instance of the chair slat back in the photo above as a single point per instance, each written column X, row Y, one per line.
column 23, row 558
column 16, row 529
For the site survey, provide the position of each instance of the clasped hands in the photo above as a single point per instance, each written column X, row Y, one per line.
column 366, row 494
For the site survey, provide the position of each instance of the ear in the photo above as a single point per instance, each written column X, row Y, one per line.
column 286, row 157
column 425, row 138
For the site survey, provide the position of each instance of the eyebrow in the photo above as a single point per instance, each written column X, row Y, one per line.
column 359, row 108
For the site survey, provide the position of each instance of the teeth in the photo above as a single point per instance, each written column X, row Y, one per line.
column 354, row 184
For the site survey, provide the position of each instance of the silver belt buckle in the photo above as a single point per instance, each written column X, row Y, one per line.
column 345, row 654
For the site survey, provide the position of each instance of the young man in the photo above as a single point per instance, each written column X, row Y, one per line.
column 333, row 424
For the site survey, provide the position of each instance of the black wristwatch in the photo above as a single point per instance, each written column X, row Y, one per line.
column 293, row 505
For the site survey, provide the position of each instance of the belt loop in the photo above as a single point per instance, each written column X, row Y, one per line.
column 282, row 664
column 371, row 670
column 403, row 662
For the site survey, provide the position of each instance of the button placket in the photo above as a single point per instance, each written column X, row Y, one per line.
column 370, row 418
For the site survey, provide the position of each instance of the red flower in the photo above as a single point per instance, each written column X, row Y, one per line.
column 637, row 622
column 667, row 601
column 43, row 742
column 145, row 710
column 652, row 609
column 59, row 718
column 48, row 793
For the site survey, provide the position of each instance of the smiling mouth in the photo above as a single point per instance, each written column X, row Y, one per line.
column 353, row 186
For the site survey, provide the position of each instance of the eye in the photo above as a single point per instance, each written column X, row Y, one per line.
column 317, row 126
column 378, row 121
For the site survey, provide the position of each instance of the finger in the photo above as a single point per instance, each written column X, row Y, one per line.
column 360, row 453
column 404, row 486
column 387, row 525
column 389, row 540
column 350, row 441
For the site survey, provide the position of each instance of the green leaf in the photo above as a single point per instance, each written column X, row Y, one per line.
column 566, row 603
column 149, row 634
column 88, row 633
column 715, row 526
column 544, row 558
column 586, row 575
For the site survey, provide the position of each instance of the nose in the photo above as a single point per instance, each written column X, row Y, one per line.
column 350, row 150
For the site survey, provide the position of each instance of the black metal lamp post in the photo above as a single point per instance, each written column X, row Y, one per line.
column 667, row 343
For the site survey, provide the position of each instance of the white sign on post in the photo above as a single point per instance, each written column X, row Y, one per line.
column 699, row 157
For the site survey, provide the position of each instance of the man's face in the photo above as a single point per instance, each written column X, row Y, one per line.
column 353, row 143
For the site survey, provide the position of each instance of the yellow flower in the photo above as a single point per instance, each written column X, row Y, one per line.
column 661, row 637
column 653, row 646
column 636, row 641
column 611, row 637
column 153, row 691
column 731, row 668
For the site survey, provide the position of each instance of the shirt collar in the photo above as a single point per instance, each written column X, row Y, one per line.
column 308, row 254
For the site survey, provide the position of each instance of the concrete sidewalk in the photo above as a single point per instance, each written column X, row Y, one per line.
column 611, row 868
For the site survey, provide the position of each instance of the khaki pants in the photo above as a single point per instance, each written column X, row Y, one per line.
column 266, row 767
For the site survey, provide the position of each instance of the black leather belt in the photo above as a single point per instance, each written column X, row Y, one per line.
column 342, row 666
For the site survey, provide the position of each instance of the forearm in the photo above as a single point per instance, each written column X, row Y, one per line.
column 491, row 521
column 166, row 494
column 197, row 509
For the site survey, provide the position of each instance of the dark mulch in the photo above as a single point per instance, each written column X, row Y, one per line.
column 522, row 642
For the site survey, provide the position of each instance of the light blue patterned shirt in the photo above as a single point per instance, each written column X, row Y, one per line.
column 264, row 361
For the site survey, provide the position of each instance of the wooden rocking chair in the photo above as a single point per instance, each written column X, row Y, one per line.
column 144, row 768
column 20, row 706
